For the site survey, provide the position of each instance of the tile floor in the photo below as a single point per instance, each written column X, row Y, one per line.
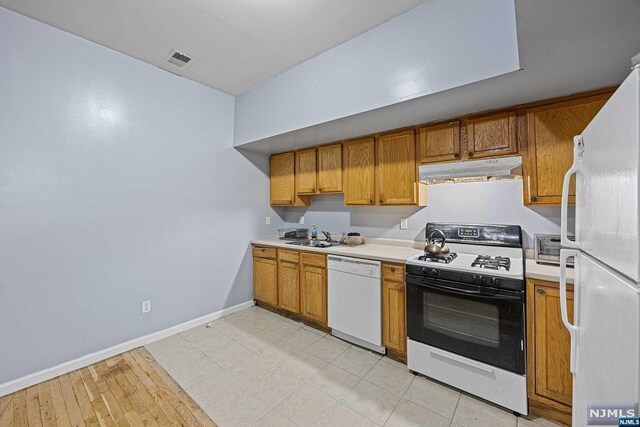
column 257, row 368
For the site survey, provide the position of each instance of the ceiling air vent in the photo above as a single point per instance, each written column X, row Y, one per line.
column 178, row 59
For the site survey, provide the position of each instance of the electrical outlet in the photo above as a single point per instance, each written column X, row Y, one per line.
column 404, row 224
column 267, row 220
column 302, row 219
column 146, row 306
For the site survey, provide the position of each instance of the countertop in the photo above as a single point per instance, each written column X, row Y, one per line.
column 386, row 250
column 391, row 250
column 550, row 273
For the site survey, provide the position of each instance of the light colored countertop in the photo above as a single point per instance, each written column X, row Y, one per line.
column 550, row 273
column 391, row 250
column 387, row 250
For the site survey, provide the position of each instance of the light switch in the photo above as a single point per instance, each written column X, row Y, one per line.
column 302, row 219
column 404, row 224
column 267, row 220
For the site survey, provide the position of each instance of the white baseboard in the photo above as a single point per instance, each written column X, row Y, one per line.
column 86, row 360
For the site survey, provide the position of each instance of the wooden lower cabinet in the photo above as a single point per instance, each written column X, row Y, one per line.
column 295, row 281
column 289, row 286
column 313, row 289
column 265, row 280
column 394, row 330
column 550, row 381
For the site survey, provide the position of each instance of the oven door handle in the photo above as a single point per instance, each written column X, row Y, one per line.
column 500, row 297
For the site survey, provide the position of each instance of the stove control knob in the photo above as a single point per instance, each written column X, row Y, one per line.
column 483, row 280
column 493, row 281
column 434, row 272
column 425, row 270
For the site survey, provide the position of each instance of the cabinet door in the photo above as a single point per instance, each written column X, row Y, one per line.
column 394, row 334
column 265, row 280
column 549, row 154
column 289, row 286
column 359, row 172
column 397, row 168
column 314, row 293
column 553, row 378
column 306, row 171
column 493, row 135
column 282, row 182
column 330, row 168
column 439, row 143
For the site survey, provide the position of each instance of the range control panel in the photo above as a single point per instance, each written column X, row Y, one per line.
column 469, row 232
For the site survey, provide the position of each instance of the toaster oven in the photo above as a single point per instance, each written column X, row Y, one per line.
column 547, row 249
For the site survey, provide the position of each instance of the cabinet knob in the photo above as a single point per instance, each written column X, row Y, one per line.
column 456, row 156
column 470, row 154
column 381, row 202
column 534, row 199
column 540, row 291
column 372, row 202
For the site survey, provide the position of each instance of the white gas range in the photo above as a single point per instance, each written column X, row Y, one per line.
column 465, row 312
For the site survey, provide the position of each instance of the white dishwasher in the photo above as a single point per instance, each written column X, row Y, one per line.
column 355, row 301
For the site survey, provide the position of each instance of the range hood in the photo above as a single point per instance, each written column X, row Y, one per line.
column 500, row 167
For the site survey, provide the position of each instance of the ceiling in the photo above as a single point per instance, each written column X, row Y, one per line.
column 237, row 44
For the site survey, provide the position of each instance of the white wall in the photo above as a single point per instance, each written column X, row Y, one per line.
column 495, row 202
column 118, row 183
column 439, row 45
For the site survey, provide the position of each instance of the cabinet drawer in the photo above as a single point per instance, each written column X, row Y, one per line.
column 393, row 272
column 262, row 252
column 314, row 259
column 291, row 256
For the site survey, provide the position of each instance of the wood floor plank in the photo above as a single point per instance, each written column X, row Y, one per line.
column 47, row 412
column 20, row 414
column 130, row 389
column 59, row 405
column 80, row 392
column 73, row 408
column 157, row 389
column 6, row 410
column 33, row 407
column 100, row 409
column 190, row 404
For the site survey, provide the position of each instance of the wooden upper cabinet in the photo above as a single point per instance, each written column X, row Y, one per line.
column 306, row 171
column 439, row 143
column 359, row 172
column 282, row 179
column 549, row 149
column 397, row 168
column 552, row 345
column 330, row 168
column 493, row 135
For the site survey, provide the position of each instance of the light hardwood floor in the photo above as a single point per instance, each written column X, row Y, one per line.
column 130, row 389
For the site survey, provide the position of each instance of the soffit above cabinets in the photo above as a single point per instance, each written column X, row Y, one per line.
column 236, row 44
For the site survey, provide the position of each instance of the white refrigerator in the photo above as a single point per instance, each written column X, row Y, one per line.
column 605, row 330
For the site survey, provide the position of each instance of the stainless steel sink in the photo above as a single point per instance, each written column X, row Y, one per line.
column 314, row 243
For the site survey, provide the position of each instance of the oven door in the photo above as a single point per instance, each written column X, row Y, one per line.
column 483, row 324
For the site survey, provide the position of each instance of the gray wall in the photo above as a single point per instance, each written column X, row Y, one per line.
column 496, row 202
column 118, row 183
column 439, row 45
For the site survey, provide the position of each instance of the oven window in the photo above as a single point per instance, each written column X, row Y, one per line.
column 475, row 322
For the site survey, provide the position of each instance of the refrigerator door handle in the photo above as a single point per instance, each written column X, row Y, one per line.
column 564, row 254
column 578, row 148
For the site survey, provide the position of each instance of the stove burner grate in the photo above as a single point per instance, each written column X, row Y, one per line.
column 432, row 258
column 492, row 263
